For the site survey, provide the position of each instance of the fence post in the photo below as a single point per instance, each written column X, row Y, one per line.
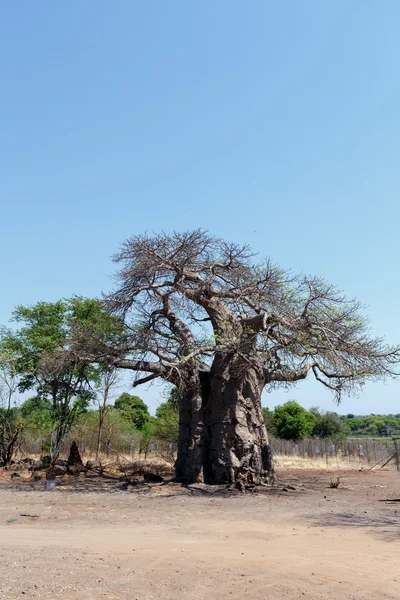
column 367, row 451
column 396, row 447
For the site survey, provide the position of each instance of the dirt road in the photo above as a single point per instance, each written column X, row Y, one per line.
column 166, row 542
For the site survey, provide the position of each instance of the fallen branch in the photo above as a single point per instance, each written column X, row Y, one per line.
column 388, row 457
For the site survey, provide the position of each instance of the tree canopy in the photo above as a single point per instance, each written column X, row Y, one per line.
column 171, row 287
column 39, row 346
column 133, row 409
column 328, row 424
column 292, row 422
column 35, row 405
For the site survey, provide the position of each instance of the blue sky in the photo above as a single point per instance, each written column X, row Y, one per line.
column 272, row 123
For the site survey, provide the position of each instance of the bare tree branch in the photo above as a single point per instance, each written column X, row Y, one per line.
column 191, row 298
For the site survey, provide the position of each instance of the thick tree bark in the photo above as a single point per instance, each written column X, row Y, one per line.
column 239, row 449
column 222, row 435
column 192, row 444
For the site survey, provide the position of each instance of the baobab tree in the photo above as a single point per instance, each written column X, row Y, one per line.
column 202, row 314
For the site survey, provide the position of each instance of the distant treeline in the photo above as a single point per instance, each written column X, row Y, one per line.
column 382, row 425
column 292, row 422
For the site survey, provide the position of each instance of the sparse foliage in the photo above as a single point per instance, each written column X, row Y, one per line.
column 109, row 378
column 11, row 425
column 204, row 316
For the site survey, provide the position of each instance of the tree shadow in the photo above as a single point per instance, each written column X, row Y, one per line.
column 381, row 525
column 107, row 483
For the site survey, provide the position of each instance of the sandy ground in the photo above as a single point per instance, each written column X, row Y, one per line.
column 90, row 540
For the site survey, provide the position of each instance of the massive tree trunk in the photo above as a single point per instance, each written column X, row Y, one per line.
column 239, row 449
column 222, row 435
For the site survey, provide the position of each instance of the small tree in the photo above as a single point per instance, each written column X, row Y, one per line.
column 39, row 346
column 11, row 426
column 109, row 379
column 292, row 421
column 117, row 430
column 133, row 409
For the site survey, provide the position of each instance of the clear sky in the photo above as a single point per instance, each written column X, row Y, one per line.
column 272, row 123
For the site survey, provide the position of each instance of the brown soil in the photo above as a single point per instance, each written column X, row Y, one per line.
column 92, row 539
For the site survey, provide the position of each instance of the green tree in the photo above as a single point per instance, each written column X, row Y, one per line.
column 329, row 425
column 43, row 365
column 377, row 426
column 37, row 414
column 165, row 426
column 35, row 405
column 292, row 421
column 133, row 409
column 170, row 405
column 11, row 425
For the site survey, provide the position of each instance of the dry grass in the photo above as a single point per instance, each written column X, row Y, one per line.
column 147, row 465
column 165, row 463
column 337, row 463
